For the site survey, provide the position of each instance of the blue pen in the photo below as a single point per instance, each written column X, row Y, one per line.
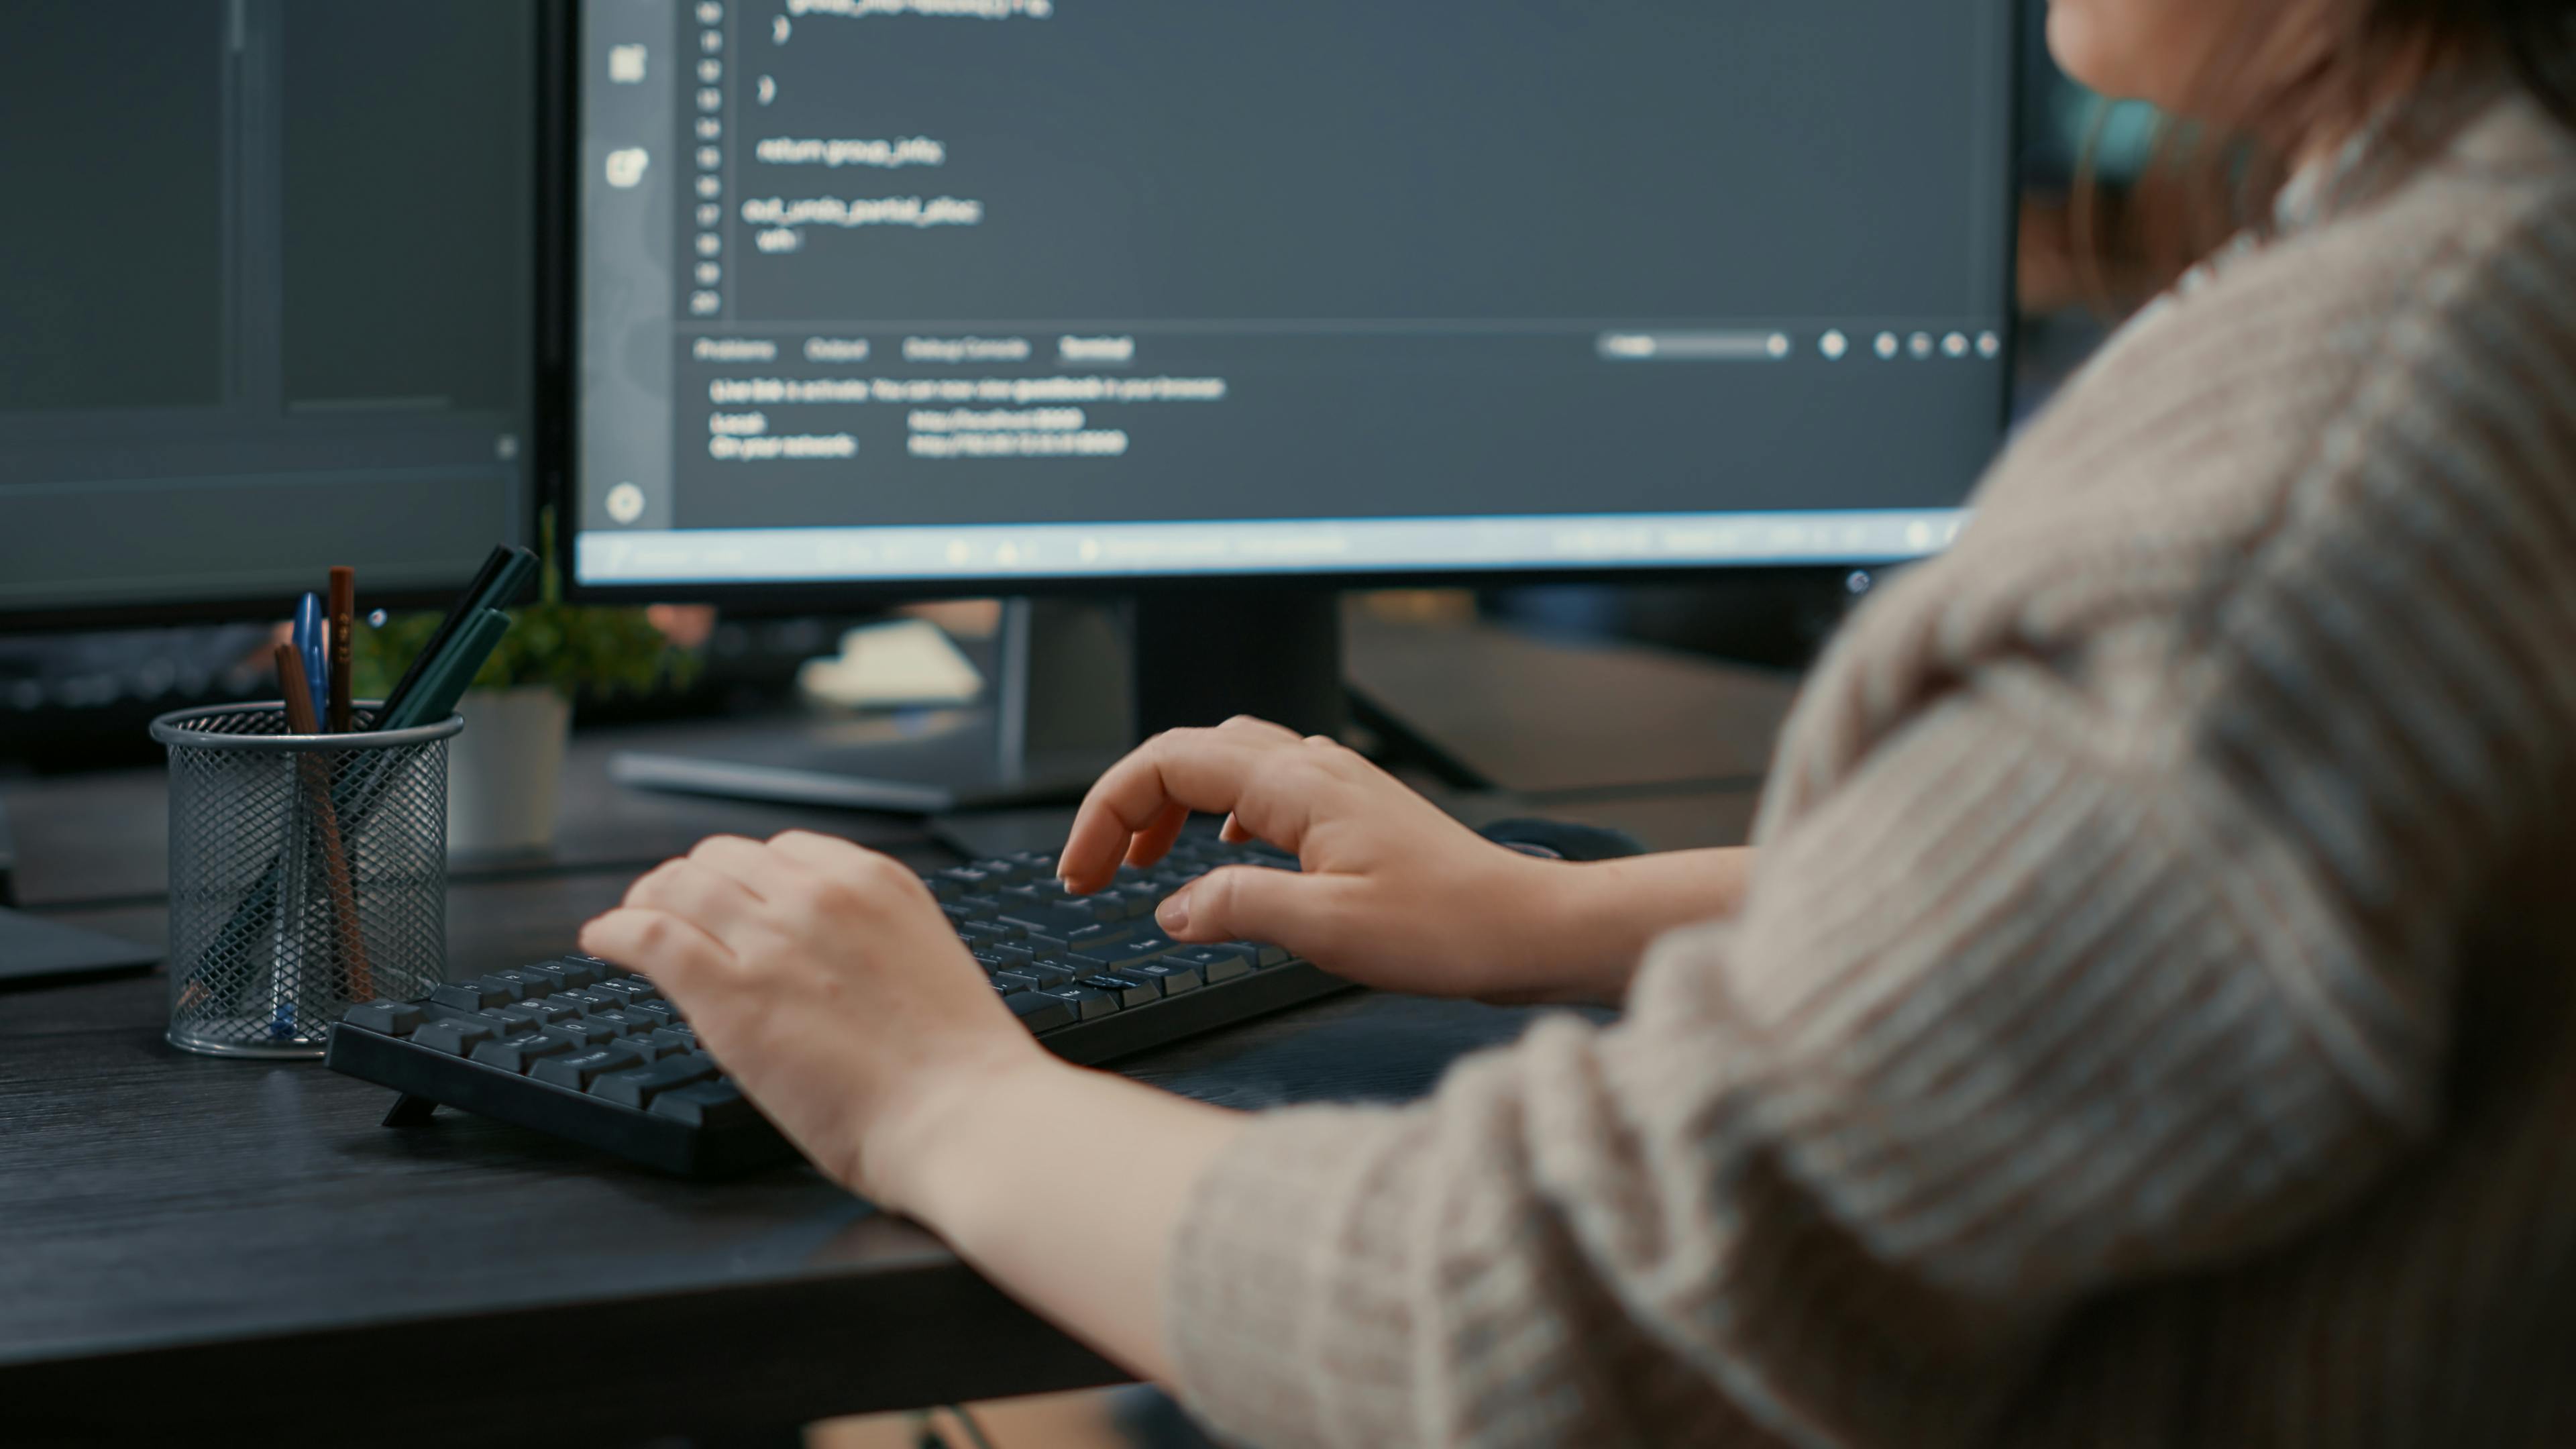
column 317, row 656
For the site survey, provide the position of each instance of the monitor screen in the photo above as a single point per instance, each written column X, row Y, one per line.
column 874, row 292
column 268, row 302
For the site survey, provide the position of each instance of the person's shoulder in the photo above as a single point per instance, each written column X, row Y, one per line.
column 2478, row 238
column 2452, row 291
column 2336, row 420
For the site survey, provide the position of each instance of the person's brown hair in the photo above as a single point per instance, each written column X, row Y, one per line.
column 2202, row 187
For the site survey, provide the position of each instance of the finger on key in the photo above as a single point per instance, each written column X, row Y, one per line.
column 826, row 858
column 1195, row 769
column 1155, row 840
column 710, row 900
column 659, row 944
column 746, row 862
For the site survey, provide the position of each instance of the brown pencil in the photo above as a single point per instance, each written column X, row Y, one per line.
column 313, row 776
column 344, row 622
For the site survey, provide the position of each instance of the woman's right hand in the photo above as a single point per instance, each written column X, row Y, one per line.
column 1393, row 893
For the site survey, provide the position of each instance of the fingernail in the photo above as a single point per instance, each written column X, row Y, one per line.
column 1174, row 914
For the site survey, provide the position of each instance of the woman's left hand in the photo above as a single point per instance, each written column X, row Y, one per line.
column 826, row 980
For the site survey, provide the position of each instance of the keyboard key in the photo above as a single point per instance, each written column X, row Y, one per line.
column 594, row 1001
column 510, row 988
column 392, row 1018
column 453, row 1035
column 532, row 985
column 1005, row 872
column 1087, row 1004
column 990, row 933
column 658, row 1013
column 1043, row 896
column 641, row 1051
column 556, row 1011
column 469, row 995
column 500, row 1025
column 1129, row 990
column 639, row 1087
column 1262, row 956
column 1096, row 936
column 1052, row 971
column 631, row 990
column 548, row 973
column 580, row 1070
column 1054, row 933
column 599, row 970
column 717, row 1104
column 678, row 1038
column 967, row 879
column 984, row 906
column 1216, row 963
column 516, row 1053
column 1074, row 912
column 1013, row 982
column 620, row 1022
column 534, row 1013
column 1039, row 1012
column 1126, row 953
column 579, row 1033
column 1173, row 979
column 1140, row 898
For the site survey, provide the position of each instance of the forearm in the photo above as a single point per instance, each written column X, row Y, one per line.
column 1064, row 1187
column 1602, row 916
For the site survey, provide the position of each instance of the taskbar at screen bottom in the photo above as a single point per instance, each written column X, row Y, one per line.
column 1262, row 546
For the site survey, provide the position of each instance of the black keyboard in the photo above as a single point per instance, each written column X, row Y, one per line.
column 585, row 1050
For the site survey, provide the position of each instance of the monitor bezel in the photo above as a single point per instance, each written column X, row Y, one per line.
column 558, row 488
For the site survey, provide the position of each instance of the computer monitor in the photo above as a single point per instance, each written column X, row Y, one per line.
column 271, row 269
column 880, row 297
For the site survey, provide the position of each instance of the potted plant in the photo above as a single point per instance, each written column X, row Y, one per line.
column 504, row 773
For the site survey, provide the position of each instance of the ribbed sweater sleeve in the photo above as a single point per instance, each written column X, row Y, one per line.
column 2103, row 936
column 1999, row 1027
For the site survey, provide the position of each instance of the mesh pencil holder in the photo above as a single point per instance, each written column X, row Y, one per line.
column 308, row 873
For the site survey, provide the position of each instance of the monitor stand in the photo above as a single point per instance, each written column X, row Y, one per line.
column 1072, row 685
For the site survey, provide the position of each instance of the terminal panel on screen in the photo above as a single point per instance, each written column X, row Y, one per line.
column 889, row 289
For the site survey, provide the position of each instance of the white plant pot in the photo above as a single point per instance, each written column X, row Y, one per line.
column 505, row 771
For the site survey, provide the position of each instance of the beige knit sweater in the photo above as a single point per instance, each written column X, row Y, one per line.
column 2153, row 1021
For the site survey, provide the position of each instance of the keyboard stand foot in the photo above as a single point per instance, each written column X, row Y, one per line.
column 410, row 1111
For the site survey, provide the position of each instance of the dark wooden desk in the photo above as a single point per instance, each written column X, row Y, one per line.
column 214, row 1249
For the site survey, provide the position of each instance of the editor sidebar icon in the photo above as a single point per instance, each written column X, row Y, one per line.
column 625, row 503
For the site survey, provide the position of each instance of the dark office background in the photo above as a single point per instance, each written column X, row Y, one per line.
column 81, row 698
